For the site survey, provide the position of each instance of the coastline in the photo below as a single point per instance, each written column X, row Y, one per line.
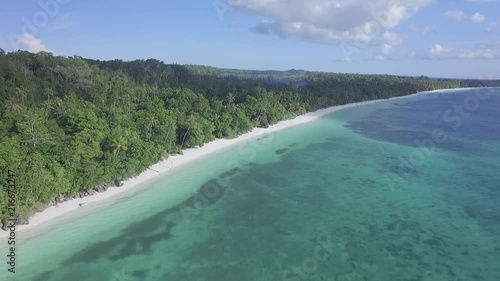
column 173, row 162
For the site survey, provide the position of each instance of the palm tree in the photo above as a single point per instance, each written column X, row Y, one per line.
column 170, row 125
column 47, row 108
column 190, row 123
column 21, row 94
column 49, row 92
column 119, row 144
column 151, row 123
column 13, row 105
column 59, row 107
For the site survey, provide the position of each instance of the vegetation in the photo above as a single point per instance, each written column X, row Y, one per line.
column 69, row 124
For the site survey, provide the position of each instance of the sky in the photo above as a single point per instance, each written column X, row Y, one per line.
column 436, row 38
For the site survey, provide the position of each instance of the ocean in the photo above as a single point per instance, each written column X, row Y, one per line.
column 403, row 190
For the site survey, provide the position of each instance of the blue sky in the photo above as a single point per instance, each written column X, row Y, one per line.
column 459, row 38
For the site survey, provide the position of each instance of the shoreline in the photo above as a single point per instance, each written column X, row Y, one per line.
column 190, row 155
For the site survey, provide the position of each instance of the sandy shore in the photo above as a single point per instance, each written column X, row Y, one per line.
column 174, row 162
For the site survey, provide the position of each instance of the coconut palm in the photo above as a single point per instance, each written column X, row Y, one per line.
column 13, row 105
column 119, row 144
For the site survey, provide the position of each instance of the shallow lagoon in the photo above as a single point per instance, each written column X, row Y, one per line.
column 351, row 196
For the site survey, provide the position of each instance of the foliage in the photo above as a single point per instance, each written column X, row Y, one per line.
column 70, row 124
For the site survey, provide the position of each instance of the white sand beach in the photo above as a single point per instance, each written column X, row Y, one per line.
column 174, row 162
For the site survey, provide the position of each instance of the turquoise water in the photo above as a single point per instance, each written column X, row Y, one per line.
column 351, row 196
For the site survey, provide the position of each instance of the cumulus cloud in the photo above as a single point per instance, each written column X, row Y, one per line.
column 385, row 49
column 439, row 52
column 456, row 14
column 356, row 22
column 483, row 51
column 493, row 26
column 422, row 29
column 392, row 38
column 265, row 27
column 477, row 18
column 32, row 44
column 481, row 1
column 389, row 41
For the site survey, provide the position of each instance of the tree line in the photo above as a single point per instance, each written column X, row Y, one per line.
column 70, row 124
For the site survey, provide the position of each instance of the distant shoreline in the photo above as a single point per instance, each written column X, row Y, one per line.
column 189, row 155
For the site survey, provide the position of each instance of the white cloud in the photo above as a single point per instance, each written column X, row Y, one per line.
column 422, row 29
column 484, row 51
column 492, row 26
column 481, row 1
column 477, row 18
column 392, row 38
column 456, row 14
column 438, row 52
column 357, row 22
column 398, row 55
column 32, row 44
column 388, row 43
column 386, row 49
